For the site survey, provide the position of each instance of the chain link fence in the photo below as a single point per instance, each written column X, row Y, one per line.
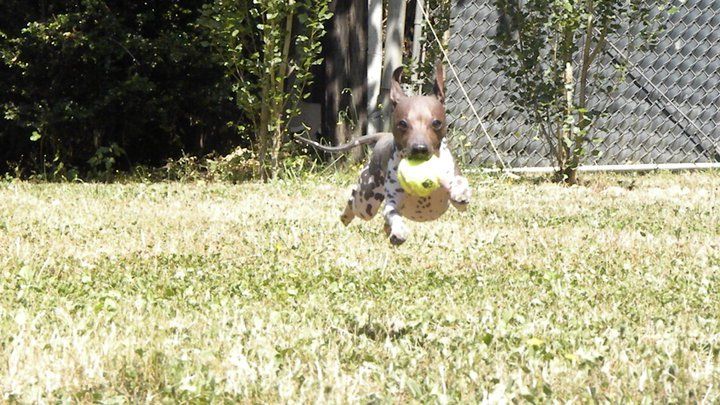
column 666, row 110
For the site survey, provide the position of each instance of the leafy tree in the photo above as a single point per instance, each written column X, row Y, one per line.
column 267, row 48
column 547, row 49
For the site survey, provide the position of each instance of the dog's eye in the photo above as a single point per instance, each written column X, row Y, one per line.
column 402, row 124
column 437, row 124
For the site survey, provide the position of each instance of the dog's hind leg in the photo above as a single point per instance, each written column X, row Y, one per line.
column 348, row 214
column 366, row 197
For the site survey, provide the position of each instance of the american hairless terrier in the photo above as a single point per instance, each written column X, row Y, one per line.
column 419, row 130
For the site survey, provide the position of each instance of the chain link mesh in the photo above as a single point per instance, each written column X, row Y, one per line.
column 667, row 110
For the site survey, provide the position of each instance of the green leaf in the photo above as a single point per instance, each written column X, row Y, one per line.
column 35, row 136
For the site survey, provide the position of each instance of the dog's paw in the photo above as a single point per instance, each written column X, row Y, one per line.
column 399, row 233
column 346, row 219
column 348, row 215
column 460, row 192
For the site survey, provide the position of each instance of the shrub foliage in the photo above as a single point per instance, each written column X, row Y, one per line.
column 93, row 84
column 548, row 48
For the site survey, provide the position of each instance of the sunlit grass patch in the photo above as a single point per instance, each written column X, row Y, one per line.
column 195, row 291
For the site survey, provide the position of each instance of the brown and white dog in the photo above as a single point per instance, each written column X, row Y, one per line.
column 419, row 129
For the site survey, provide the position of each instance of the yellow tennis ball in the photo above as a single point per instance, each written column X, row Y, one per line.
column 419, row 177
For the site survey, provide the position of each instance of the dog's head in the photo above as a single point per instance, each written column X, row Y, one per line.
column 419, row 121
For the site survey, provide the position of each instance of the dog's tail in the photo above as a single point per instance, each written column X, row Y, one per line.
column 363, row 140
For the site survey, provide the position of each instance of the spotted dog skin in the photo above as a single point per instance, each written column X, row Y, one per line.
column 378, row 183
column 419, row 129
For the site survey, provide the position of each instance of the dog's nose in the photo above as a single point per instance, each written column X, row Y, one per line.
column 419, row 150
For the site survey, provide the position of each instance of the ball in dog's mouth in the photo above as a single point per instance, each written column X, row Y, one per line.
column 419, row 177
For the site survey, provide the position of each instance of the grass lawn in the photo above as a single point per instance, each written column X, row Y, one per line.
column 211, row 292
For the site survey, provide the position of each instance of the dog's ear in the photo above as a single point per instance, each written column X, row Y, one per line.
column 396, row 91
column 439, row 87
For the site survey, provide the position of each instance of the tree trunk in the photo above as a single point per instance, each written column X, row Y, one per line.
column 571, row 158
column 279, row 111
column 263, row 132
column 344, row 109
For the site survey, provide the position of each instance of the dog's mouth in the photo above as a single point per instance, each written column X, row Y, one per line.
column 420, row 156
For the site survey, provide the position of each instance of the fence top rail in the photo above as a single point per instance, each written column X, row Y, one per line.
column 605, row 168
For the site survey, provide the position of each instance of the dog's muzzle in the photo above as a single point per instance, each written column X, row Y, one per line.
column 419, row 151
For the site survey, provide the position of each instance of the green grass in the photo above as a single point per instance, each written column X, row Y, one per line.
column 219, row 292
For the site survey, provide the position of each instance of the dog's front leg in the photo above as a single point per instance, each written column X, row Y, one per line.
column 460, row 192
column 454, row 182
column 394, row 223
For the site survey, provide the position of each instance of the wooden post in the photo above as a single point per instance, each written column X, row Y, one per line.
column 374, row 67
column 417, row 40
column 393, row 53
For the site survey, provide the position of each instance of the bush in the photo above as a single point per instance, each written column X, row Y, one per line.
column 548, row 48
column 268, row 48
column 85, row 83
